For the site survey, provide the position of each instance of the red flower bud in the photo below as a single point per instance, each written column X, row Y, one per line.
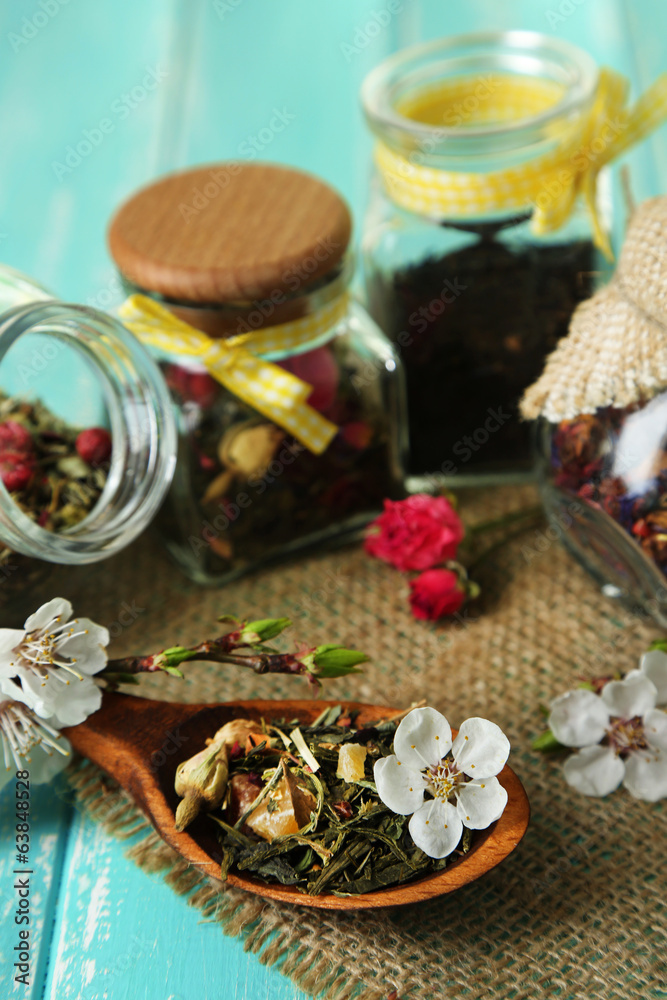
column 358, row 434
column 16, row 470
column 416, row 533
column 319, row 369
column 192, row 387
column 436, row 593
column 15, row 437
column 94, row 445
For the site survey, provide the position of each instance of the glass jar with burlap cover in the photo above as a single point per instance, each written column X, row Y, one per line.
column 602, row 408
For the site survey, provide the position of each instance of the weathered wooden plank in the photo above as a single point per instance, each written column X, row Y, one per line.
column 49, row 819
column 122, row 933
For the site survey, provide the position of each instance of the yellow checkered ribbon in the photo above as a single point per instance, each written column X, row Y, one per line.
column 234, row 362
column 550, row 184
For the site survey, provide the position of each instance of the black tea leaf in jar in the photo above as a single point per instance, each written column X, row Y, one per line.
column 480, row 322
column 489, row 220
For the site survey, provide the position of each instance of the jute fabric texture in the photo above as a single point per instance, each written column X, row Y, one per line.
column 615, row 353
column 578, row 911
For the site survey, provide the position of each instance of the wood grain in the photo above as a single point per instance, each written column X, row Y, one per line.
column 140, row 743
column 230, row 232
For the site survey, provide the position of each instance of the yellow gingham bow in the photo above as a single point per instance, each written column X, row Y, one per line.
column 549, row 184
column 271, row 390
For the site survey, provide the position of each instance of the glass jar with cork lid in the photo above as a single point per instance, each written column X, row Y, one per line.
column 491, row 217
column 290, row 400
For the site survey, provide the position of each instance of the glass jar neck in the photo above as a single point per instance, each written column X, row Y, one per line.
column 404, row 104
column 141, row 424
column 237, row 318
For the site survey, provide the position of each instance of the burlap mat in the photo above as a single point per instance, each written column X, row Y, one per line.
column 576, row 912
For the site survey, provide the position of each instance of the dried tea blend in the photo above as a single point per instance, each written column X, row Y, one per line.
column 55, row 474
column 481, row 321
column 615, row 460
column 331, row 832
column 245, row 489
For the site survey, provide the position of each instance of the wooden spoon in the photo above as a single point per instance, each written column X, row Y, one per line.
column 140, row 743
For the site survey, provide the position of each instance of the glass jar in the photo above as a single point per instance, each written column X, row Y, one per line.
column 455, row 273
column 75, row 367
column 604, row 485
column 265, row 254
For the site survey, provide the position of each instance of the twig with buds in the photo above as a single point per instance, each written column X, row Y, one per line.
column 314, row 663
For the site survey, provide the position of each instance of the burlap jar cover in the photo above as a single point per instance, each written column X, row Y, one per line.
column 577, row 911
column 615, row 353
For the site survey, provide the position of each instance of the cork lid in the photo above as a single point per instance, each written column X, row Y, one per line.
column 230, row 232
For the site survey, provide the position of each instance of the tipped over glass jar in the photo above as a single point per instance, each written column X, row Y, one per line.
column 87, row 436
column 290, row 400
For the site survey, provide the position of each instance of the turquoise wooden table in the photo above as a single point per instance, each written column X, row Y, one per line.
column 185, row 82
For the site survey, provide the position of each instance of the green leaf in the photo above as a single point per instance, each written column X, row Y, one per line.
column 659, row 644
column 547, row 742
column 174, row 671
column 336, row 661
column 175, row 655
column 586, row 686
column 264, row 629
column 228, row 619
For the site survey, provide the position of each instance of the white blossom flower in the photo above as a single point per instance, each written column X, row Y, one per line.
column 49, row 664
column 620, row 734
column 30, row 743
column 463, row 788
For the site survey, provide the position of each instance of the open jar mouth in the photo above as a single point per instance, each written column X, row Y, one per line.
column 141, row 424
column 527, row 54
column 229, row 319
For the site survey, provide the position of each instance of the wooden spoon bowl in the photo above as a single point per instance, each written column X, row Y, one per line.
column 140, row 743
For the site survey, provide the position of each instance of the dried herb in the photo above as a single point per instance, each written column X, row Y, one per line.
column 352, row 843
column 55, row 474
column 474, row 327
column 623, row 474
column 245, row 491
